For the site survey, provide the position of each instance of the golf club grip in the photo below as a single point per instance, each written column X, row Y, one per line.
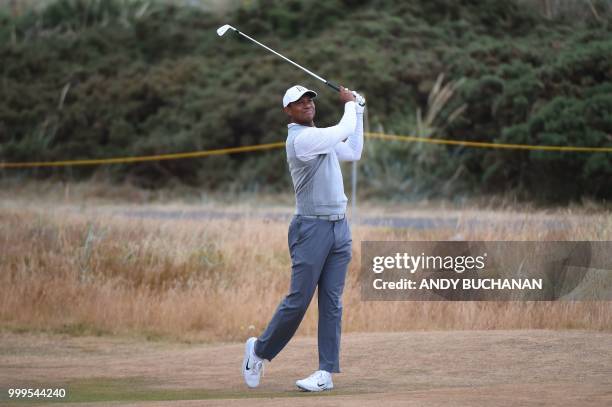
column 333, row 86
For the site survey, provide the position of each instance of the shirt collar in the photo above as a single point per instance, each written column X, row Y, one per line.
column 290, row 125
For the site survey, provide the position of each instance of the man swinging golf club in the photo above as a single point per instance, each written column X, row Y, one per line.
column 319, row 235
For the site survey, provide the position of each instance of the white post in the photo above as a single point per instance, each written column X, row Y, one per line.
column 366, row 128
column 354, row 190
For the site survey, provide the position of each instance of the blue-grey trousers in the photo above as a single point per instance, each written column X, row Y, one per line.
column 320, row 253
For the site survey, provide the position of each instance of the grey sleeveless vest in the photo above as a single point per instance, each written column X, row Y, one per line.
column 318, row 185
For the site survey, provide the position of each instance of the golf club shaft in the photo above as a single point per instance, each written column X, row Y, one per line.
column 328, row 83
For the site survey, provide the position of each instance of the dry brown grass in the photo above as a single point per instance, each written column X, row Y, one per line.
column 86, row 269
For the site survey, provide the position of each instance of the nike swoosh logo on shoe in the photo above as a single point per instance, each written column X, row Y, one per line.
column 320, row 385
column 247, row 364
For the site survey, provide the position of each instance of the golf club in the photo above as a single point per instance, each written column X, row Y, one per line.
column 223, row 29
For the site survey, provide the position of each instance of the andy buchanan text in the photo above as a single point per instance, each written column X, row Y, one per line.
column 459, row 283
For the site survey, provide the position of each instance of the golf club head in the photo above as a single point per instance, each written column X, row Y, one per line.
column 223, row 29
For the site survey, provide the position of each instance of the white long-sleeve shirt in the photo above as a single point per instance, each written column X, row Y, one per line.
column 346, row 138
column 313, row 155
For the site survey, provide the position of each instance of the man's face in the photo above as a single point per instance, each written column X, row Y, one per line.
column 302, row 111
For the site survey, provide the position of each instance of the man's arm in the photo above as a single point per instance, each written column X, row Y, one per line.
column 350, row 150
column 315, row 141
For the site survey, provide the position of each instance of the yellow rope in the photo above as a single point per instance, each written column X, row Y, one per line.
column 260, row 147
column 480, row 144
column 118, row 160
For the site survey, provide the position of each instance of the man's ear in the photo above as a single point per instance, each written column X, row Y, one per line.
column 286, row 109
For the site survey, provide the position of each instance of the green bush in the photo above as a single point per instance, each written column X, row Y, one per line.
column 108, row 78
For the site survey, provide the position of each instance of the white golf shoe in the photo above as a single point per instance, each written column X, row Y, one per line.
column 252, row 365
column 318, row 381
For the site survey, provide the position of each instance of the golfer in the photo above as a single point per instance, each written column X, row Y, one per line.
column 319, row 236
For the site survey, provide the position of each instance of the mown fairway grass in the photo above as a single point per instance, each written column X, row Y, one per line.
column 127, row 390
column 123, row 390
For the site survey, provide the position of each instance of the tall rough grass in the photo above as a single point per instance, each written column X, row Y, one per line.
column 78, row 271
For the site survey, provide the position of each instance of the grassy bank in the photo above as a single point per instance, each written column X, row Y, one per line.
column 83, row 268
